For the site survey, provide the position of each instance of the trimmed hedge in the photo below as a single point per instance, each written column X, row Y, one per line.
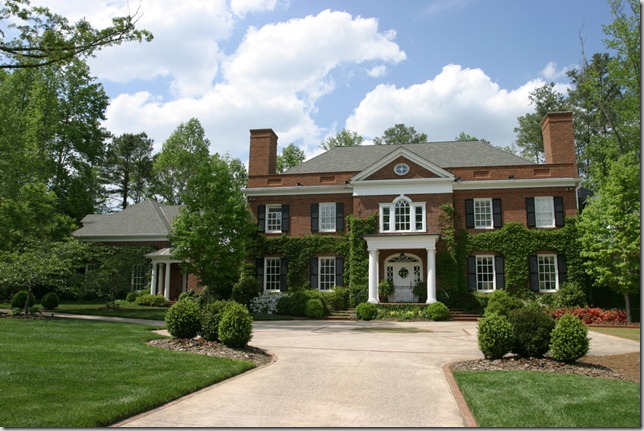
column 569, row 340
column 532, row 328
column 209, row 318
column 314, row 309
column 437, row 311
column 366, row 311
column 236, row 325
column 149, row 300
column 182, row 319
column 50, row 301
column 495, row 336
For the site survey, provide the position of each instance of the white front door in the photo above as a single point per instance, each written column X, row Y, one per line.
column 405, row 272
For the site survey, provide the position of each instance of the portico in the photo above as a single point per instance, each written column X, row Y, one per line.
column 163, row 264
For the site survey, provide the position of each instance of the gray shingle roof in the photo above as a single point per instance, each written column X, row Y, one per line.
column 145, row 219
column 451, row 154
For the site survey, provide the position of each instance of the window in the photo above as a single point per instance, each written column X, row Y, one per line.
column 483, row 214
column 273, row 218
column 272, row 274
column 547, row 268
column 484, row 273
column 401, row 169
column 544, row 212
column 327, row 273
column 139, row 276
column 327, row 217
column 402, row 215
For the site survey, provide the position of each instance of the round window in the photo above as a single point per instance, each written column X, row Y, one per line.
column 401, row 169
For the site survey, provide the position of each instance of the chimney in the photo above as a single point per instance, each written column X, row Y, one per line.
column 263, row 152
column 558, row 138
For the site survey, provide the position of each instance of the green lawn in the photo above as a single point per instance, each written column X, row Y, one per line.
column 73, row 373
column 630, row 333
column 539, row 399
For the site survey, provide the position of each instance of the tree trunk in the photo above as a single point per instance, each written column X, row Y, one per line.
column 627, row 301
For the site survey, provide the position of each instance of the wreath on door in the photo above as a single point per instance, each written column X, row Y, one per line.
column 403, row 273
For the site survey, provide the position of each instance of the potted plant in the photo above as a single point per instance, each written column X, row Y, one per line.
column 385, row 290
column 420, row 290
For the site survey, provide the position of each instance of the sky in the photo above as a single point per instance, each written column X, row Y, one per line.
column 307, row 69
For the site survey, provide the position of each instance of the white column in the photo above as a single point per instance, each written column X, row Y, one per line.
column 431, row 275
column 153, row 282
column 184, row 277
column 373, row 276
column 166, row 289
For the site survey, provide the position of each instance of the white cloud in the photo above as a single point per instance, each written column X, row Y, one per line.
column 551, row 73
column 242, row 7
column 456, row 100
column 377, row 72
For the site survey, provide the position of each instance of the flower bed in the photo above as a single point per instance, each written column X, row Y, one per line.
column 595, row 315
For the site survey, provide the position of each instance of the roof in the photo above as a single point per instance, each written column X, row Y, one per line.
column 147, row 219
column 450, row 154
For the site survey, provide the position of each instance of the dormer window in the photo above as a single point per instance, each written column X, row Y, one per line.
column 401, row 169
column 402, row 215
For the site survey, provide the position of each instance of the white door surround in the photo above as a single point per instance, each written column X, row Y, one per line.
column 375, row 243
column 405, row 271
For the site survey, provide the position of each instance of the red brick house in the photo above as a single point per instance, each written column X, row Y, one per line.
column 405, row 185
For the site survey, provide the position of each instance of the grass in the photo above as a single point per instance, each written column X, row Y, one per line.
column 630, row 333
column 72, row 373
column 539, row 399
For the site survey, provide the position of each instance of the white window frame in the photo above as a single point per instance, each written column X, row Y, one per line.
column 489, row 264
column 273, row 219
column 547, row 272
column 417, row 216
column 483, row 213
column 139, row 274
column 272, row 274
column 326, row 217
column 326, row 273
column 401, row 169
column 544, row 211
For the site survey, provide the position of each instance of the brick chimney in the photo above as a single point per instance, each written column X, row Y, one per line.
column 263, row 152
column 558, row 138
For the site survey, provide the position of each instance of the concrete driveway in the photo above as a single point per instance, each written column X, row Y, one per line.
column 342, row 374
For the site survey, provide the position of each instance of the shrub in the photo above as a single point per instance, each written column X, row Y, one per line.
column 283, row 306
column 532, row 328
column 495, row 336
column 247, row 288
column 338, row 298
column 131, row 296
column 314, row 309
column 386, row 289
column 266, row 303
column 569, row 340
column 570, row 294
column 236, row 325
column 182, row 319
column 209, row 320
column 297, row 306
column 50, row 301
column 149, row 300
column 437, row 311
column 191, row 295
column 588, row 315
column 502, row 303
column 18, row 300
column 366, row 311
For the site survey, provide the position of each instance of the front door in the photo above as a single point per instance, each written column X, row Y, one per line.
column 405, row 271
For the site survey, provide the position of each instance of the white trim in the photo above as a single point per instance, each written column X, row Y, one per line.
column 267, row 218
column 487, row 256
column 516, row 184
column 398, row 152
column 491, row 204
column 399, row 186
column 331, row 205
column 556, row 272
column 299, row 190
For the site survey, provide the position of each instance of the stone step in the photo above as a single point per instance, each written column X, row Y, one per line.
column 464, row 316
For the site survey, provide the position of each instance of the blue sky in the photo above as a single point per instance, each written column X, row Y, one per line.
column 308, row 69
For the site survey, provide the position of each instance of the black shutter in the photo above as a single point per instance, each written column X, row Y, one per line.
column 534, row 273
column 497, row 213
column 499, row 265
column 285, row 217
column 261, row 217
column 259, row 271
column 469, row 213
column 339, row 216
column 339, row 271
column 313, row 273
column 283, row 274
column 315, row 217
column 559, row 211
column 562, row 268
column 471, row 273
column 529, row 207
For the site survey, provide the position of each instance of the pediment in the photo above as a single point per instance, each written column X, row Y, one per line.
column 419, row 167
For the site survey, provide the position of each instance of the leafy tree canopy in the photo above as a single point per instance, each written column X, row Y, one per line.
column 344, row 138
column 291, row 156
column 463, row 137
column 400, row 134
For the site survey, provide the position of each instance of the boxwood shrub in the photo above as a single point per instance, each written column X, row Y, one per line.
column 314, row 309
column 182, row 319
column 437, row 311
column 532, row 328
column 209, row 318
column 366, row 311
column 149, row 300
column 50, row 301
column 569, row 339
column 495, row 336
column 20, row 298
column 236, row 325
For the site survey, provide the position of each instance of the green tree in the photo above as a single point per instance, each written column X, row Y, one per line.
column 400, row 134
column 212, row 230
column 529, row 136
column 182, row 152
column 610, row 230
column 344, row 138
column 44, row 38
column 128, row 167
column 291, row 156
column 463, row 137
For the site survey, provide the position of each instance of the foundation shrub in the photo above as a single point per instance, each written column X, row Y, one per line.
column 570, row 294
column 247, row 288
column 183, row 319
column 366, row 311
column 314, row 309
column 18, row 300
column 266, row 303
column 338, row 298
column 50, row 301
column 283, row 306
column 200, row 298
column 209, row 320
column 595, row 315
column 437, row 311
column 495, row 336
column 299, row 299
column 569, row 339
column 236, row 325
column 148, row 300
column 532, row 327
column 501, row 302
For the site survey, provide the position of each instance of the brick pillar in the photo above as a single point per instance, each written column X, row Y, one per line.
column 263, row 152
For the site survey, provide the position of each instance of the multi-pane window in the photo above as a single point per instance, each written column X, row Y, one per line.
column 273, row 218
column 327, row 217
column 327, row 273
column 544, row 212
column 483, row 214
column 402, row 215
column 547, row 265
column 139, row 276
column 272, row 274
column 484, row 273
